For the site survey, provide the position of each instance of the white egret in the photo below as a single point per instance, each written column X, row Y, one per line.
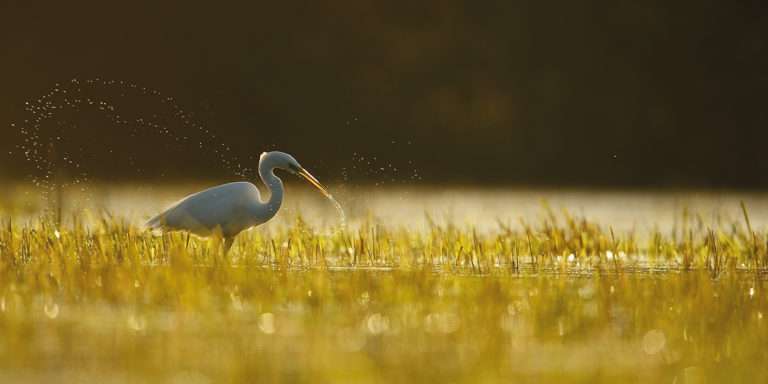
column 230, row 208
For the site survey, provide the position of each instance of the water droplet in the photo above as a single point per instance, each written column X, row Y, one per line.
column 267, row 323
column 654, row 341
column 136, row 323
column 377, row 323
column 51, row 310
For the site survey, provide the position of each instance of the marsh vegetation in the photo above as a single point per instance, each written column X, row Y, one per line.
column 557, row 298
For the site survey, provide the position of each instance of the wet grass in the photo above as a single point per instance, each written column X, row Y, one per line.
column 562, row 299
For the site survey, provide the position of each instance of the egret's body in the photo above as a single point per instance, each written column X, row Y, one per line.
column 231, row 208
column 228, row 208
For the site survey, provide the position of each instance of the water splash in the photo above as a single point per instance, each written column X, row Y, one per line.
column 65, row 105
column 340, row 210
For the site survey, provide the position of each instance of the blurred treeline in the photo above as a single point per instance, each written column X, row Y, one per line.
column 622, row 93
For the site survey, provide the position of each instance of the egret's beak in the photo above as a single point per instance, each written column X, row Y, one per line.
column 312, row 180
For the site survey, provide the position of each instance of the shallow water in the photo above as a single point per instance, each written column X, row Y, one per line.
column 413, row 208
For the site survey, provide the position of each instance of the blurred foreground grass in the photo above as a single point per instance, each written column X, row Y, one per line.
column 563, row 299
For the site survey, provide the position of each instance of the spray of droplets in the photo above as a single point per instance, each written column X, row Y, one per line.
column 381, row 172
column 388, row 167
column 46, row 114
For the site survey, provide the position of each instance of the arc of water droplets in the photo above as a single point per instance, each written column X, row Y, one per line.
column 71, row 96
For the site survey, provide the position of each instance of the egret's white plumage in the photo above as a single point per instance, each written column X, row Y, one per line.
column 230, row 208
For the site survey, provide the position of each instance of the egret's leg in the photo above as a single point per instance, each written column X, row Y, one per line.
column 228, row 241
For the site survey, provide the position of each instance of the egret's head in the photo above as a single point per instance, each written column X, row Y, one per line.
column 284, row 161
column 280, row 160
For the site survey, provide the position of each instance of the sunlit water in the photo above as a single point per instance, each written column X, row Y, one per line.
column 414, row 208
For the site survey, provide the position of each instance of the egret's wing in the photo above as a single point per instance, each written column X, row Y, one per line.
column 221, row 207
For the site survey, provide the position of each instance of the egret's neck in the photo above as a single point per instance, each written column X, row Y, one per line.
column 274, row 188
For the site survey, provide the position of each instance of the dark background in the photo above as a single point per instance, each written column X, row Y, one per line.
column 594, row 93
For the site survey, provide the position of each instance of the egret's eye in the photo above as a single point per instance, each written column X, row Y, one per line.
column 294, row 168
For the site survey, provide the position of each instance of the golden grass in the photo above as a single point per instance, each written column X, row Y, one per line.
column 564, row 299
